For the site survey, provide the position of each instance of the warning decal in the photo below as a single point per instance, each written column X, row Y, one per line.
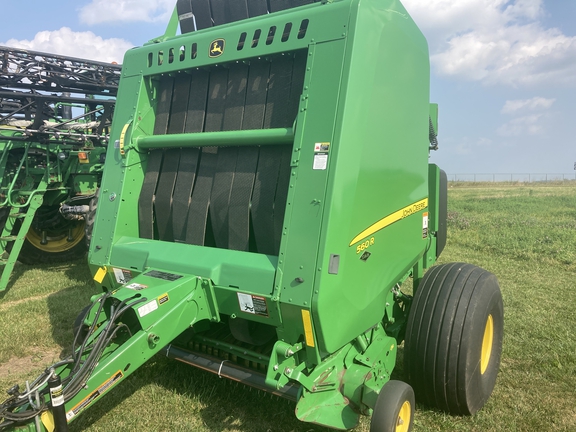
column 163, row 299
column 425, row 225
column 147, row 308
column 94, row 395
column 122, row 276
column 253, row 304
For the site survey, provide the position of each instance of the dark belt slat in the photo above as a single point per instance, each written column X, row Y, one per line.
column 235, row 97
column 255, row 104
column 163, row 199
column 227, row 157
column 198, row 212
column 262, row 209
column 202, row 14
column 257, row 7
column 218, row 8
column 165, row 90
column 183, row 191
column 197, row 101
column 220, row 195
column 216, row 100
column 296, row 3
column 179, row 107
column 236, row 10
column 184, row 9
column 146, row 198
column 278, row 5
column 240, row 197
column 277, row 111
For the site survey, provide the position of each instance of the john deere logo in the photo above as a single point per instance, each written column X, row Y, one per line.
column 217, row 48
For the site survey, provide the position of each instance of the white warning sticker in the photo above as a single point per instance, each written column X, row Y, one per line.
column 122, row 276
column 147, row 308
column 253, row 304
column 320, row 161
column 425, row 225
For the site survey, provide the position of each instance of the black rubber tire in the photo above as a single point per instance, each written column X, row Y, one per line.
column 394, row 410
column 456, row 308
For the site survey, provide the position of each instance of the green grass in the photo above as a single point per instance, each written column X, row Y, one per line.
column 525, row 234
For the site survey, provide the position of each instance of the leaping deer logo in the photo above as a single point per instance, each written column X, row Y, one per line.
column 217, row 48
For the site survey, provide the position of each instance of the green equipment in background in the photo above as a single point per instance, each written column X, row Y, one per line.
column 266, row 198
column 55, row 114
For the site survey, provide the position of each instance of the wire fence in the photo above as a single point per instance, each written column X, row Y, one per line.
column 520, row 178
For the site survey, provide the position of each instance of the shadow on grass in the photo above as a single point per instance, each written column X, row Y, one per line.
column 196, row 400
column 65, row 304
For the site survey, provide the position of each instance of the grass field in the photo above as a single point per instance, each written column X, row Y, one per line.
column 523, row 233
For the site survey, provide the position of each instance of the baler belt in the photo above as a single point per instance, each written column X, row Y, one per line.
column 220, row 195
column 257, row 8
column 216, row 100
column 228, row 197
column 179, row 108
column 208, row 13
column 218, row 8
column 163, row 198
column 262, row 209
column 255, row 103
column 202, row 14
column 183, row 191
column 165, row 91
column 197, row 101
column 146, row 199
column 184, row 9
column 198, row 211
column 227, row 157
column 240, row 195
column 277, row 113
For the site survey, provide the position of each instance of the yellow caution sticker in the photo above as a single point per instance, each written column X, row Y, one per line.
column 308, row 334
column 100, row 274
column 390, row 219
column 163, row 299
column 100, row 390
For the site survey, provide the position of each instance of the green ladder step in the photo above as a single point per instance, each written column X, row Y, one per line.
column 8, row 238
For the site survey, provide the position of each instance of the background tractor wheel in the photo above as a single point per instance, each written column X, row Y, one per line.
column 454, row 338
column 394, row 410
column 53, row 239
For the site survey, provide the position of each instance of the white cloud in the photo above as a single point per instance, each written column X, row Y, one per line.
column 495, row 41
column 100, row 11
column 75, row 44
column 534, row 104
column 521, row 126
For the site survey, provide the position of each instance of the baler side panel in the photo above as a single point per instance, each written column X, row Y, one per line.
column 378, row 169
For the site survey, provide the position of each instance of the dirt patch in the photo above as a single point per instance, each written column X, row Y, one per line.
column 21, row 366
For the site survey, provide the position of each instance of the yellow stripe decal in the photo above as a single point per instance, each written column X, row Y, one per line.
column 390, row 219
column 308, row 328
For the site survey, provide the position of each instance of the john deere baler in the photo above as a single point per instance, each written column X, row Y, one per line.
column 266, row 192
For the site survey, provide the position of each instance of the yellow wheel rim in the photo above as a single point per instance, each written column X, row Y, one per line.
column 56, row 241
column 487, row 344
column 404, row 417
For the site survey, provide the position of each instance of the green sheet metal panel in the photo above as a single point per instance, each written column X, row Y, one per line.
column 378, row 168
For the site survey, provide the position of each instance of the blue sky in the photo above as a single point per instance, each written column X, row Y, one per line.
column 503, row 71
